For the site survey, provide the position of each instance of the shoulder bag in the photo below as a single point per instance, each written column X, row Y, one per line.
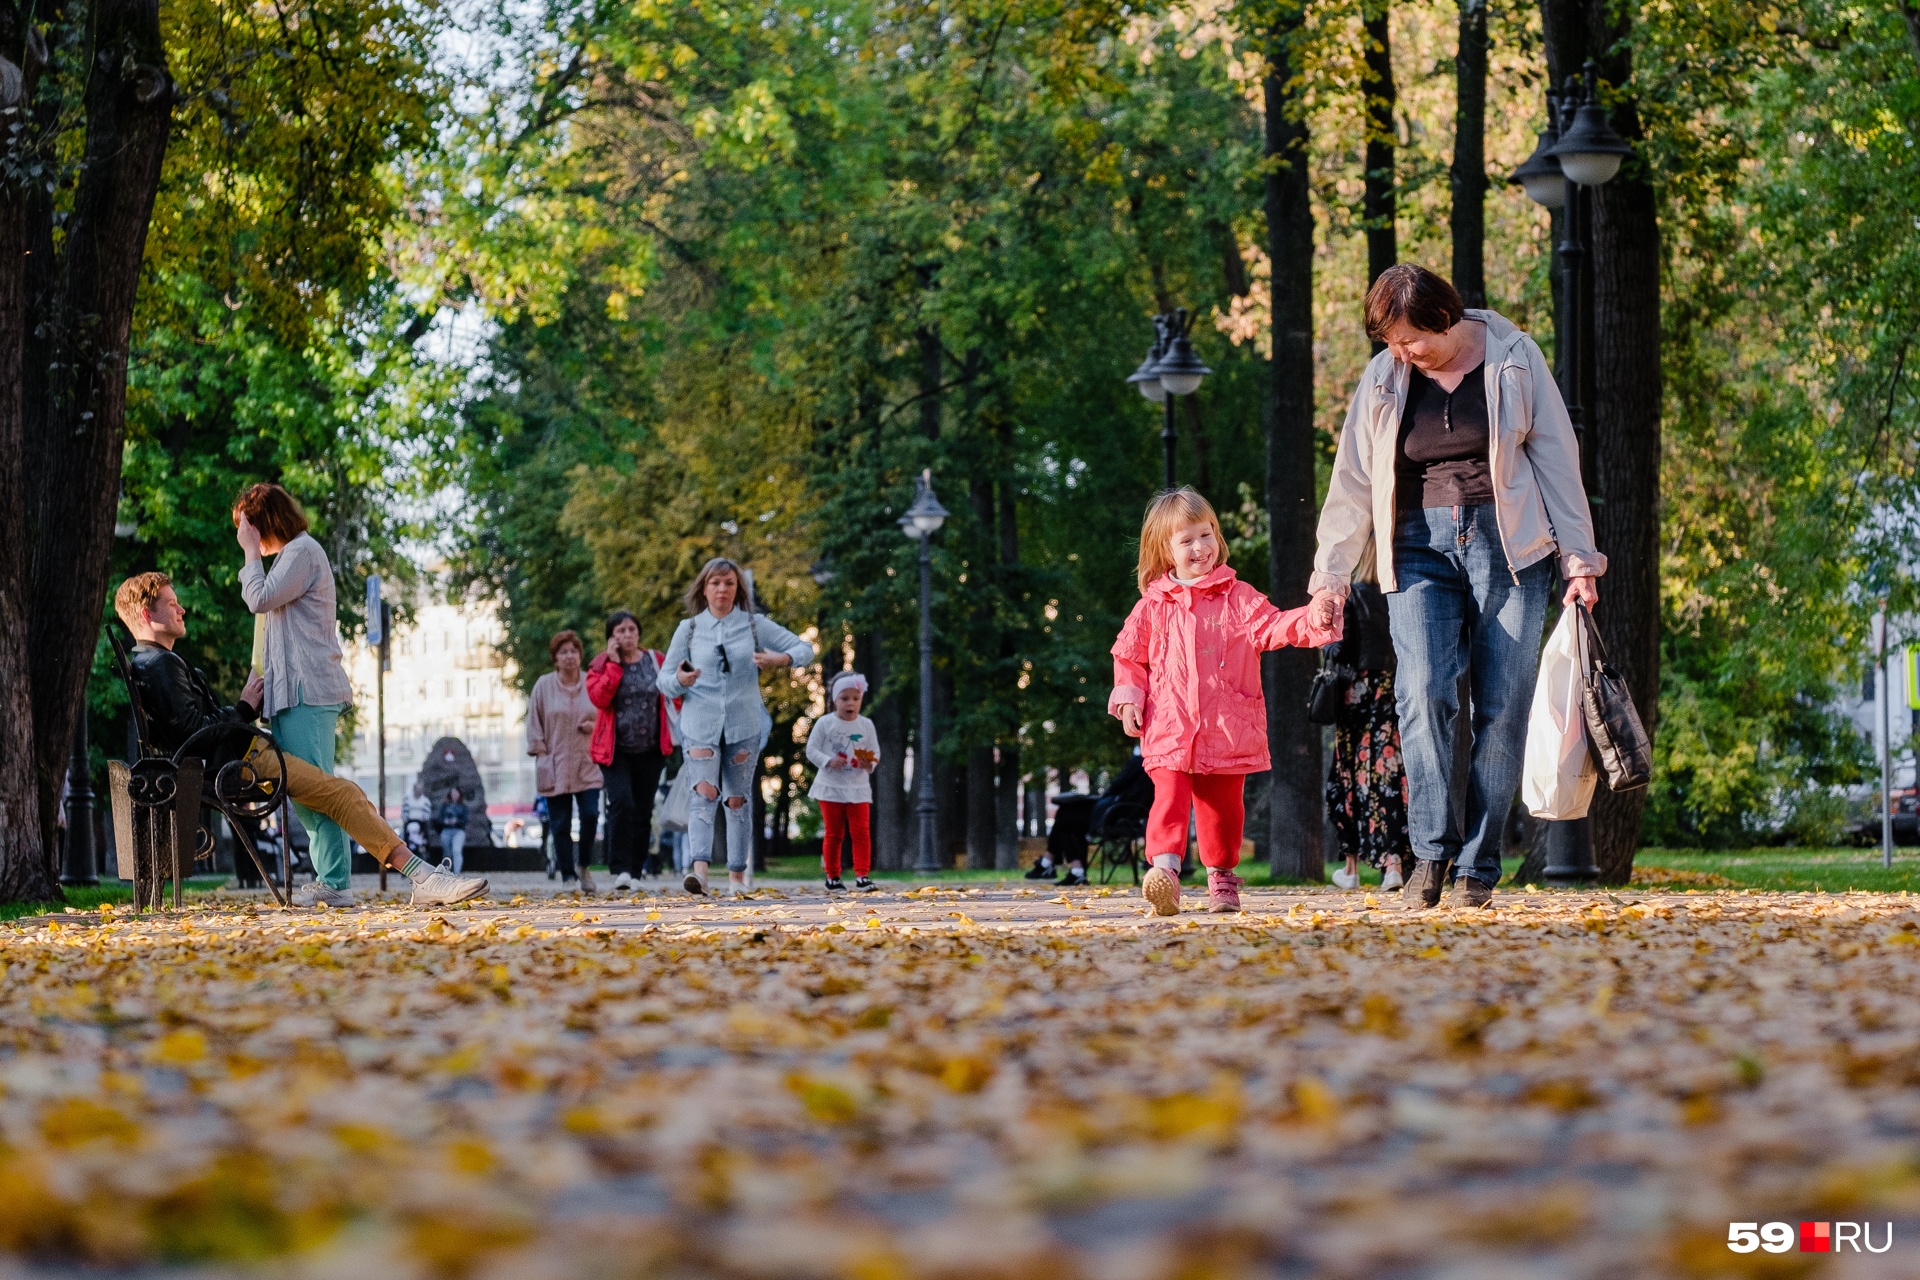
column 1614, row 732
column 1329, row 692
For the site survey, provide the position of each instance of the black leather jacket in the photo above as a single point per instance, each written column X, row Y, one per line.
column 177, row 699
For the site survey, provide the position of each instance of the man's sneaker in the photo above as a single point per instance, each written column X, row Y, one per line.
column 315, row 894
column 586, row 881
column 834, row 885
column 1422, row 889
column 1042, row 870
column 1162, row 890
column 1223, row 890
column 623, row 883
column 1345, row 879
column 1074, row 879
column 1391, row 877
column 1468, row 892
column 693, row 884
column 443, row 889
column 865, row 885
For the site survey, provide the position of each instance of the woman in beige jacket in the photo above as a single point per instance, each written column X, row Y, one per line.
column 1457, row 454
column 560, row 739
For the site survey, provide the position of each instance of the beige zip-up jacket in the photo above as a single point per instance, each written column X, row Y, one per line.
column 1539, row 502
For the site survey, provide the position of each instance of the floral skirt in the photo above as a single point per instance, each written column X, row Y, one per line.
column 1367, row 785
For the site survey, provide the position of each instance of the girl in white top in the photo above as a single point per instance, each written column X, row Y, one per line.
column 845, row 747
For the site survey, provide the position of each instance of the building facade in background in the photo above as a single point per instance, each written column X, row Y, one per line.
column 449, row 679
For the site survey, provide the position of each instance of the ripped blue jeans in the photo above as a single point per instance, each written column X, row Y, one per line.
column 723, row 772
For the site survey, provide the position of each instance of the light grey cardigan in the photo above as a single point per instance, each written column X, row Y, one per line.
column 303, row 663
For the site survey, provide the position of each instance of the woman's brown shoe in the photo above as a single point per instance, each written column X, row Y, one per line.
column 1422, row 889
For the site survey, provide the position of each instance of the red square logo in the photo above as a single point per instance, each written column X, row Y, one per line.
column 1816, row 1237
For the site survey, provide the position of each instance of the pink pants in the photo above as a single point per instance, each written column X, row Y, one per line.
column 846, row 823
column 1222, row 817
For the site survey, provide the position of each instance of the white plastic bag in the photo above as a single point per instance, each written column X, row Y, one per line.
column 1559, row 773
column 679, row 798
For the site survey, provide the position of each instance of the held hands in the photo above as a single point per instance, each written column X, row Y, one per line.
column 1327, row 606
column 1130, row 719
column 767, row 660
column 248, row 537
column 1582, row 589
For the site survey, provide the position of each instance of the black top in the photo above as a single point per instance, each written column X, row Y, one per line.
column 177, row 699
column 1442, row 458
column 1366, row 642
column 636, row 707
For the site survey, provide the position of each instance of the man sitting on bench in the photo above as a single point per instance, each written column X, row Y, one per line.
column 179, row 702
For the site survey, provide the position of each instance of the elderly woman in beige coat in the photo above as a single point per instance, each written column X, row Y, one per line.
column 560, row 739
column 1459, row 464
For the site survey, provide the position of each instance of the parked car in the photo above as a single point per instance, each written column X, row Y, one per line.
column 1906, row 820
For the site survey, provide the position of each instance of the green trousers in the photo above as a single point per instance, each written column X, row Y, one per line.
column 307, row 732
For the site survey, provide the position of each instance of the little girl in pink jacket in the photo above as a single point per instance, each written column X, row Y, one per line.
column 1186, row 682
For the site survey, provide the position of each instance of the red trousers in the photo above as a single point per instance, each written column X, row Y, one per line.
column 846, row 823
column 1222, row 815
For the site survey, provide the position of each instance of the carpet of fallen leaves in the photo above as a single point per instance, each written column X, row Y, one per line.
column 965, row 1083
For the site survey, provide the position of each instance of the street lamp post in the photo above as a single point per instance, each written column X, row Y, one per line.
column 922, row 521
column 1578, row 150
column 1171, row 370
column 79, row 867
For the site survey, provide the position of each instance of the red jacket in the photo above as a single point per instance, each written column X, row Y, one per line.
column 603, row 683
column 1189, row 658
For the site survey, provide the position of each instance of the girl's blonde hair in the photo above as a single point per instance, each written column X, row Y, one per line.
column 1167, row 515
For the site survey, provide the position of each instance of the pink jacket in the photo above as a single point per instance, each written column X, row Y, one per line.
column 1190, row 658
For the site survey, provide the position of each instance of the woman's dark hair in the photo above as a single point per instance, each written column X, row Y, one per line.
column 568, row 637
column 614, row 619
column 1406, row 291
column 453, row 794
column 271, row 510
column 696, row 597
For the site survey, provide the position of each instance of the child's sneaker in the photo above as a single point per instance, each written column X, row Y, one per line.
column 834, row 885
column 1223, row 890
column 1160, row 888
column 865, row 885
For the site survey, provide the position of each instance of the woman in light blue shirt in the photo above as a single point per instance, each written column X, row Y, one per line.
column 714, row 664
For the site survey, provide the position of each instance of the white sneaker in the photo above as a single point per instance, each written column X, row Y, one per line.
column 1392, row 879
column 315, row 894
column 694, row 884
column 623, row 883
column 586, row 881
column 443, row 889
column 1345, row 879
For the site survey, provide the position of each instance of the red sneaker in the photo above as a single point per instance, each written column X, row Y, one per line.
column 1223, row 890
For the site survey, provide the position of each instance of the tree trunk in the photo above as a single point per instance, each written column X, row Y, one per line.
column 1624, row 411
column 1468, row 218
column 1294, row 807
column 1006, row 826
column 889, row 776
column 68, row 309
column 1379, row 206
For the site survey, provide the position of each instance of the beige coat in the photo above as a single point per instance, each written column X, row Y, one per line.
column 1539, row 502
column 560, row 737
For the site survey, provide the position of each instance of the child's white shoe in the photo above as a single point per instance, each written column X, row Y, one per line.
column 1345, row 879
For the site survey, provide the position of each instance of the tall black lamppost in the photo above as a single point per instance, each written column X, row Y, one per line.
column 79, row 866
column 1171, row 369
column 1578, row 151
column 922, row 521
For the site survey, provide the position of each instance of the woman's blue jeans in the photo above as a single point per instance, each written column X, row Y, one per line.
column 1460, row 610
column 728, row 767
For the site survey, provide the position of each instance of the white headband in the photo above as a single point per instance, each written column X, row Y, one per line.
column 845, row 677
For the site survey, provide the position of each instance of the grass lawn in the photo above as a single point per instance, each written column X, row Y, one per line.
column 113, row 891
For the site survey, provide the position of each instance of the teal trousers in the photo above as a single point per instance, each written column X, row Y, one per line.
column 307, row 732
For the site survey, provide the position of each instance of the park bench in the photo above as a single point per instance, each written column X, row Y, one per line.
column 162, row 803
column 1118, row 835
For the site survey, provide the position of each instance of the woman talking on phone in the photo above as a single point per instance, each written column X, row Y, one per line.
column 714, row 661
column 631, row 740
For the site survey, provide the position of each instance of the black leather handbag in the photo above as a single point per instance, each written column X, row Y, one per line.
column 1329, row 692
column 1614, row 732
